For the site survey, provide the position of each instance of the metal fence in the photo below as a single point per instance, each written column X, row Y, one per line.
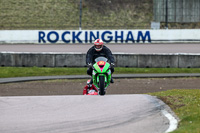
column 94, row 14
column 178, row 13
column 177, row 10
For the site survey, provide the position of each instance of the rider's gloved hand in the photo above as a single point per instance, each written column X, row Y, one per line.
column 90, row 64
column 112, row 64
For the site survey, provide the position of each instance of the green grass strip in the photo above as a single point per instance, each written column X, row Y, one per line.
column 186, row 104
column 39, row 71
column 6, row 72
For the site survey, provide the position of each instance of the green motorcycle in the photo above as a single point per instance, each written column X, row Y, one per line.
column 101, row 74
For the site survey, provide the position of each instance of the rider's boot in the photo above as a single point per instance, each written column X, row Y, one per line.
column 111, row 81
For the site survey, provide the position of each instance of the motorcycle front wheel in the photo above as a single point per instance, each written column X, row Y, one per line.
column 102, row 85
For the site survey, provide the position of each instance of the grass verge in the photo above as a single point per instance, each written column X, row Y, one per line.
column 59, row 14
column 186, row 104
column 6, row 72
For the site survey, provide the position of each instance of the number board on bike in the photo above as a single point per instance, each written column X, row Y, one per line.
column 101, row 63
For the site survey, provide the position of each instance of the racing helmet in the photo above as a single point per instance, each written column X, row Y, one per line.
column 98, row 44
column 88, row 83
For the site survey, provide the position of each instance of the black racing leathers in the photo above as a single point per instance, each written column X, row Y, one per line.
column 92, row 54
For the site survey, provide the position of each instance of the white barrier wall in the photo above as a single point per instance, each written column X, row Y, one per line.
column 108, row 36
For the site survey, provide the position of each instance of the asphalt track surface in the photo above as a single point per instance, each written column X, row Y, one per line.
column 98, row 114
column 115, row 48
column 69, row 114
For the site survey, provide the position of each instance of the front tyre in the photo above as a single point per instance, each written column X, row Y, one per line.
column 102, row 85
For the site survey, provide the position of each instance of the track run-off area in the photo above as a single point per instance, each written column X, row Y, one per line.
column 96, row 114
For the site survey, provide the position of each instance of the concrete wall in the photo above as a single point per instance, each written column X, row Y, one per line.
column 78, row 60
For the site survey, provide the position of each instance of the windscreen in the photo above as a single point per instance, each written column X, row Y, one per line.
column 101, row 59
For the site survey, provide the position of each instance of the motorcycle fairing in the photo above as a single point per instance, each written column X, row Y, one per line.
column 101, row 66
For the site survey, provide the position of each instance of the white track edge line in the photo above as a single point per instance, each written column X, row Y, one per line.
column 173, row 123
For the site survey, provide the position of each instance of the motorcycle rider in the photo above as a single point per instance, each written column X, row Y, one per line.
column 99, row 50
column 89, row 87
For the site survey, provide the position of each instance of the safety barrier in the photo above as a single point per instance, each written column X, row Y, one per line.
column 179, row 60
